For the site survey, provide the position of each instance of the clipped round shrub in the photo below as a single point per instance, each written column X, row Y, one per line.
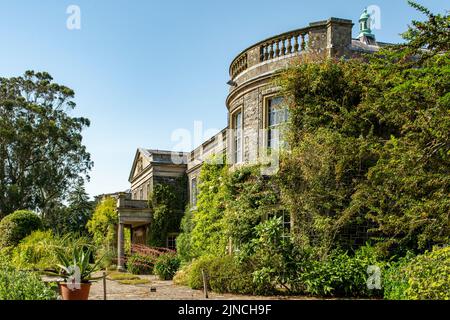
column 424, row 277
column 18, row 225
column 166, row 266
column 140, row 264
column 195, row 280
column 224, row 275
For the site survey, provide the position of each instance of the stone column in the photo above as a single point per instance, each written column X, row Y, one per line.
column 120, row 248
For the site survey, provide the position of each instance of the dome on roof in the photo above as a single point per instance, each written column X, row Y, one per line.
column 365, row 33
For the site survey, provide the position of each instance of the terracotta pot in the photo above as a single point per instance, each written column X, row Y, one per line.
column 76, row 294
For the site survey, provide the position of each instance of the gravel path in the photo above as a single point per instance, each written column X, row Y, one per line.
column 165, row 290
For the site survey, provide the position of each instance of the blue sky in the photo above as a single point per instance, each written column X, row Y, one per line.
column 142, row 69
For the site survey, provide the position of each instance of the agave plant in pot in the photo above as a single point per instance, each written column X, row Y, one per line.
column 76, row 270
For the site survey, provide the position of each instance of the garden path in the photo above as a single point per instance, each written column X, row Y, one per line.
column 165, row 290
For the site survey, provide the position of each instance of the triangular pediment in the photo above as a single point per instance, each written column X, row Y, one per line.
column 140, row 162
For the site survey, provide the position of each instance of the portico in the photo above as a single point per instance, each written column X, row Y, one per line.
column 136, row 215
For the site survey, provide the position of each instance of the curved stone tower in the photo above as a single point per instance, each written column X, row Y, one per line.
column 253, row 98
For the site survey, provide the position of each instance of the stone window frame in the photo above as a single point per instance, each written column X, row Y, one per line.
column 233, row 115
column 286, row 220
column 265, row 123
column 171, row 238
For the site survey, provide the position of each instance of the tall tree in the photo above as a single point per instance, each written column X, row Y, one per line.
column 41, row 150
column 73, row 217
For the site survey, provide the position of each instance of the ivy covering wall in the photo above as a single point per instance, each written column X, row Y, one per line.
column 369, row 143
column 168, row 202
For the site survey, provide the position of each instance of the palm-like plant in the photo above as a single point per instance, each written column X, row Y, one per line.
column 77, row 261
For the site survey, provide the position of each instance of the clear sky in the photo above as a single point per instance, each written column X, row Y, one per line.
column 142, row 69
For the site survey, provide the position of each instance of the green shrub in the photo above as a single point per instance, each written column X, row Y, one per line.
column 166, row 266
column 102, row 225
column 36, row 251
column 224, row 275
column 195, row 280
column 423, row 277
column 17, row 226
column 341, row 274
column 140, row 264
column 276, row 262
column 395, row 283
column 181, row 277
column 6, row 256
column 108, row 256
column 22, row 285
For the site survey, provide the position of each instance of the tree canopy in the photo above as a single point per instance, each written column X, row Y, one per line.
column 41, row 149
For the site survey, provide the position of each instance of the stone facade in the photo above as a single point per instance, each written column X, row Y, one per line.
column 251, row 90
column 152, row 167
column 251, row 93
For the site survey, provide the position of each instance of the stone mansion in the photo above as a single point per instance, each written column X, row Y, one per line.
column 254, row 109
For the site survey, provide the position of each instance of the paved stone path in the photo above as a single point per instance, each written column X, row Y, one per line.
column 165, row 290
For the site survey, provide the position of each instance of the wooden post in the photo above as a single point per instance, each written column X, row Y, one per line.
column 104, row 285
column 205, row 284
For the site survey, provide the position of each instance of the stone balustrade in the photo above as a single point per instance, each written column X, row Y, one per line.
column 123, row 203
column 285, row 44
column 239, row 65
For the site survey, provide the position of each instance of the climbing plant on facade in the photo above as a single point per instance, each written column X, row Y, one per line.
column 168, row 202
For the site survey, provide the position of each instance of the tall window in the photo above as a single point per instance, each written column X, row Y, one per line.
column 277, row 114
column 172, row 242
column 238, row 137
column 286, row 223
column 194, row 192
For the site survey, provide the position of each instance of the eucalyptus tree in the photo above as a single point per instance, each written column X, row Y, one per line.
column 41, row 147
